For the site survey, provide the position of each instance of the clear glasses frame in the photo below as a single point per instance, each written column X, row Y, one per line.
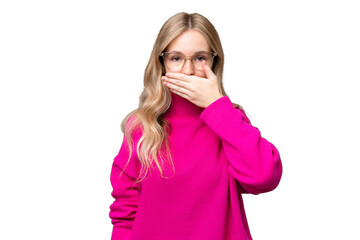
column 179, row 66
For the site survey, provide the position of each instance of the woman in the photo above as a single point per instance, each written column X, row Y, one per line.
column 188, row 152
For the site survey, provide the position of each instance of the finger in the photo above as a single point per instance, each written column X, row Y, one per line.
column 170, row 82
column 208, row 72
column 184, row 92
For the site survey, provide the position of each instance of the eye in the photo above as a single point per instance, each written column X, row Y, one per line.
column 200, row 58
column 175, row 59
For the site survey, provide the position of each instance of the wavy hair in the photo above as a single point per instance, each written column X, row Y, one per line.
column 153, row 146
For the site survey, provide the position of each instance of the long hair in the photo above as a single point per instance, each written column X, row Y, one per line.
column 156, row 98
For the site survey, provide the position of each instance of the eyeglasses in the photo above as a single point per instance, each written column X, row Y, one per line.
column 175, row 61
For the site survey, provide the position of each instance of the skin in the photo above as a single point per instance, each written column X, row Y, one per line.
column 198, row 86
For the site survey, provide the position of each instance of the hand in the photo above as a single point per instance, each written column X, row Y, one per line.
column 200, row 91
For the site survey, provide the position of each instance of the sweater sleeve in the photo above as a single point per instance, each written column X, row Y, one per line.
column 125, row 192
column 253, row 161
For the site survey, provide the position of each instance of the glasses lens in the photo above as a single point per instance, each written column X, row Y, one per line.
column 199, row 58
column 174, row 61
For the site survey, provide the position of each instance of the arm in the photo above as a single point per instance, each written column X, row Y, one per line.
column 253, row 161
column 125, row 192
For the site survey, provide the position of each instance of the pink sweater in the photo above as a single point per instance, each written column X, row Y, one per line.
column 218, row 155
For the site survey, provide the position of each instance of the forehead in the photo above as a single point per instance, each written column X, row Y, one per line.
column 189, row 42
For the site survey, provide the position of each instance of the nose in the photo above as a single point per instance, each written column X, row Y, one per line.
column 188, row 67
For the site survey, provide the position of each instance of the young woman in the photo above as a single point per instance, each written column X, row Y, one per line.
column 188, row 152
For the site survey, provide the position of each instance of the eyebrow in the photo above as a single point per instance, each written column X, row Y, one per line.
column 197, row 52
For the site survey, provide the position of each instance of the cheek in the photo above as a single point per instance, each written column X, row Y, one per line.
column 168, row 71
column 200, row 74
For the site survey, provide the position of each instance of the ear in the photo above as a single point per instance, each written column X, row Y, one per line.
column 208, row 72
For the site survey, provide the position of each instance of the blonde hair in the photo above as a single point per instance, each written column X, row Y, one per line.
column 156, row 98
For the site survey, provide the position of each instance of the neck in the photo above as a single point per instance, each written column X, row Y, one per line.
column 181, row 107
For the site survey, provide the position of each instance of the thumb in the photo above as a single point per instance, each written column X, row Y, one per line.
column 208, row 72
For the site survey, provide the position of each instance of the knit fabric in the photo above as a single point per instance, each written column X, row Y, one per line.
column 218, row 156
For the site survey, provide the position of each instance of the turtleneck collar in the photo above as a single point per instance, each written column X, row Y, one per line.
column 181, row 107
